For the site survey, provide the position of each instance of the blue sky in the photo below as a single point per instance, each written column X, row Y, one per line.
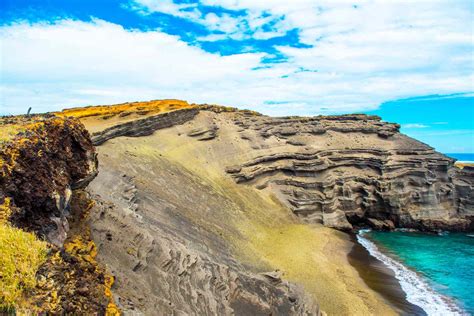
column 409, row 62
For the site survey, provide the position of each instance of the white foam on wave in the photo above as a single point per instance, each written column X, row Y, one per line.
column 417, row 290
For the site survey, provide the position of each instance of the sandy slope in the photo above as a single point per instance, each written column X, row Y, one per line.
column 171, row 188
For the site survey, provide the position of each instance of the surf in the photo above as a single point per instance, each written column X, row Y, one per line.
column 418, row 291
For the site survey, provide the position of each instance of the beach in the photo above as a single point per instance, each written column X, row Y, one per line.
column 434, row 270
column 381, row 279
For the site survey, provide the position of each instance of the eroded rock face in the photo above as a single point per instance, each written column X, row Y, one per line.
column 340, row 171
column 175, row 227
column 40, row 168
column 145, row 126
column 356, row 170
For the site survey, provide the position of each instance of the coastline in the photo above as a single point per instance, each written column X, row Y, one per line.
column 417, row 290
column 381, row 279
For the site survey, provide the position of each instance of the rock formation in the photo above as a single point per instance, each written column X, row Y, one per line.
column 357, row 170
column 340, row 171
column 145, row 126
column 45, row 162
column 48, row 159
column 204, row 210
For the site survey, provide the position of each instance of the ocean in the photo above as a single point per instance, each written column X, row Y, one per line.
column 435, row 271
column 462, row 156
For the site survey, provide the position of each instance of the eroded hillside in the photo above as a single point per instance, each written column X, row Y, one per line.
column 240, row 190
column 336, row 170
column 203, row 210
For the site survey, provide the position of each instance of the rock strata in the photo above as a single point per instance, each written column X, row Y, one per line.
column 392, row 182
column 201, row 212
column 146, row 126
column 342, row 171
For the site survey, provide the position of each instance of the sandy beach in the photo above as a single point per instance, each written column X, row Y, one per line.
column 381, row 279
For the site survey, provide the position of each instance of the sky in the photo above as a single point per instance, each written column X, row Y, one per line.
column 411, row 62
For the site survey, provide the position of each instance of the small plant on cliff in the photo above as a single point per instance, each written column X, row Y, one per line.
column 21, row 254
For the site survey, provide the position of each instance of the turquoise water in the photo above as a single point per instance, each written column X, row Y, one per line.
column 462, row 156
column 446, row 262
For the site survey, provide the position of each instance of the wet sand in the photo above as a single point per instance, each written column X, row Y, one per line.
column 381, row 279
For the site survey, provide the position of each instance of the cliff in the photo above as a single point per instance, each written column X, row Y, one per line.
column 194, row 190
column 341, row 171
column 204, row 209
column 355, row 170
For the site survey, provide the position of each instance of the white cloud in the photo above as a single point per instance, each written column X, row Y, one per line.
column 253, row 24
column 378, row 52
column 414, row 125
column 182, row 10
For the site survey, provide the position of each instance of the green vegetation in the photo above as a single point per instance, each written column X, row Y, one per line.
column 7, row 132
column 21, row 256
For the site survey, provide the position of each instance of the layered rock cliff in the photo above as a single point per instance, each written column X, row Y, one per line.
column 341, row 171
column 356, row 170
column 203, row 209
column 202, row 197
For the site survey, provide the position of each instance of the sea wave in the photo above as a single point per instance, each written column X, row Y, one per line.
column 418, row 291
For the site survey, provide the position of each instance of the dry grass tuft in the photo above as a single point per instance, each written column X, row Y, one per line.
column 21, row 256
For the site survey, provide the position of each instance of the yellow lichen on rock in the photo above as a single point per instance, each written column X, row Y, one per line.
column 84, row 249
column 21, row 256
column 20, row 132
column 124, row 109
column 5, row 210
column 112, row 309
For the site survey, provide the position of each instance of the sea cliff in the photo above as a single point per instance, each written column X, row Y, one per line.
column 210, row 209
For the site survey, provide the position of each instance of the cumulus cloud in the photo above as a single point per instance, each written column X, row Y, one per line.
column 241, row 24
column 72, row 62
column 360, row 55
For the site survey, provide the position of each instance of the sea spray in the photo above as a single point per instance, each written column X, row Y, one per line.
column 418, row 291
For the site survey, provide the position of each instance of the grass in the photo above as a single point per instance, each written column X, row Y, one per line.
column 21, row 254
column 7, row 132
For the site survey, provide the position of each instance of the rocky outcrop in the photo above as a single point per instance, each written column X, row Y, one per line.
column 45, row 164
column 145, row 126
column 41, row 167
column 463, row 180
column 344, row 181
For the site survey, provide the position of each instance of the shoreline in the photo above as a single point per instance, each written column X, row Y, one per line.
column 417, row 290
column 381, row 279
